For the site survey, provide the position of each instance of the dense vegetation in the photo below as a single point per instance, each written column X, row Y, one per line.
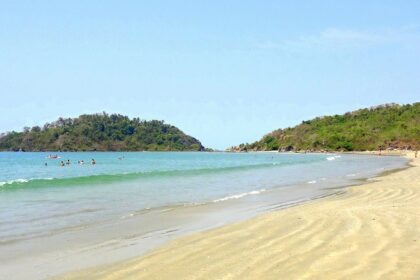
column 387, row 126
column 100, row 132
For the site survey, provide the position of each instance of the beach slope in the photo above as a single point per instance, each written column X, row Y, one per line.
column 371, row 231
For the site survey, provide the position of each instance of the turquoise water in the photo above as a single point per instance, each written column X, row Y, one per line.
column 38, row 199
column 25, row 170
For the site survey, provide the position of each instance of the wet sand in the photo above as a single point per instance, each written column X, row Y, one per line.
column 371, row 231
column 135, row 234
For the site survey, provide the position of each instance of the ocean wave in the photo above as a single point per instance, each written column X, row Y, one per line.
column 312, row 182
column 236, row 196
column 21, row 181
column 109, row 178
column 15, row 181
column 333, row 157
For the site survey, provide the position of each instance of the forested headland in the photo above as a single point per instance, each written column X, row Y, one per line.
column 389, row 126
column 100, row 132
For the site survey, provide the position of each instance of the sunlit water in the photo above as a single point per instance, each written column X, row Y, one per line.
column 39, row 197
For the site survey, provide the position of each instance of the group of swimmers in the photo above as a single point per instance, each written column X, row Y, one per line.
column 80, row 162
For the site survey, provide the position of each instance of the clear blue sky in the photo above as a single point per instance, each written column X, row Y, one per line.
column 225, row 72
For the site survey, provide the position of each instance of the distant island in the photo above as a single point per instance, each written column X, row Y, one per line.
column 100, row 132
column 389, row 126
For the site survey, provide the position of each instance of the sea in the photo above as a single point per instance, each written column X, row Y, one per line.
column 70, row 205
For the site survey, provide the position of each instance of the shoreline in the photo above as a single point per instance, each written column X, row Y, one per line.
column 180, row 248
column 134, row 233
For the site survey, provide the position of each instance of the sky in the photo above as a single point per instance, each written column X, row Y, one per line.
column 225, row 72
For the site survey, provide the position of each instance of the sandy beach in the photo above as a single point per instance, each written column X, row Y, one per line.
column 371, row 231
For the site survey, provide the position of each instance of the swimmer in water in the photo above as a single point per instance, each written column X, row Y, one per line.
column 93, row 162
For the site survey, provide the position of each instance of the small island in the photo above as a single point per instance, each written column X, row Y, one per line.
column 100, row 132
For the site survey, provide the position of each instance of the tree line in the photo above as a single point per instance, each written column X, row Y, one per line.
column 389, row 126
column 100, row 132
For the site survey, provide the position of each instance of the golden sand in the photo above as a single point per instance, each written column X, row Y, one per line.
column 371, row 231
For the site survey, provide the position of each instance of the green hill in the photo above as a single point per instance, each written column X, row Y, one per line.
column 381, row 127
column 100, row 132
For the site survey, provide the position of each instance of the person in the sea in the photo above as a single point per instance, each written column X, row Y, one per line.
column 62, row 163
column 46, row 164
column 93, row 162
column 68, row 162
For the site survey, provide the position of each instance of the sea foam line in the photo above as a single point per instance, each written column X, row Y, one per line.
column 14, row 181
column 333, row 157
column 236, row 196
column 21, row 181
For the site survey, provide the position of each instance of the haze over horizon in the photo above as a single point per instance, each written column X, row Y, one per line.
column 225, row 73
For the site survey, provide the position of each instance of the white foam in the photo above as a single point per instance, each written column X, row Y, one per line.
column 236, row 196
column 14, row 181
column 312, row 182
column 333, row 157
column 18, row 181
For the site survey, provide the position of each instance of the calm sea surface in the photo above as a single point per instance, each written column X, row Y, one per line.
column 39, row 197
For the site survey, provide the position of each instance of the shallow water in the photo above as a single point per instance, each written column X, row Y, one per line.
column 36, row 200
column 58, row 219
